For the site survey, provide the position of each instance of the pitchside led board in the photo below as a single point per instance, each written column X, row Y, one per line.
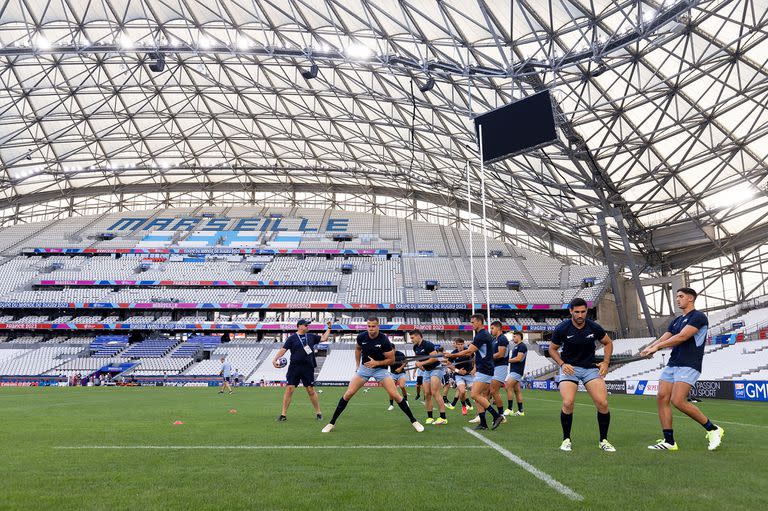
column 518, row 127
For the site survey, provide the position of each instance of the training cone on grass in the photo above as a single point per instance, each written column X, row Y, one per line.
column 232, row 410
column 178, row 423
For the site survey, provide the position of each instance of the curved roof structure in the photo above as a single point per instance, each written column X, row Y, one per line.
column 659, row 105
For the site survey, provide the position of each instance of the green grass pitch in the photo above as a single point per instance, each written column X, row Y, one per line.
column 44, row 466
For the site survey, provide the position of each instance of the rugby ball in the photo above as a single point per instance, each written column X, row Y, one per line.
column 282, row 362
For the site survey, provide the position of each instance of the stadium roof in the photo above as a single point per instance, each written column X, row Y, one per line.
column 660, row 107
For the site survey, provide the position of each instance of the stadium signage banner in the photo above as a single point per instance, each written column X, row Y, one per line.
column 616, row 386
column 184, row 283
column 223, row 224
column 751, row 390
column 643, row 387
column 544, row 385
column 712, row 389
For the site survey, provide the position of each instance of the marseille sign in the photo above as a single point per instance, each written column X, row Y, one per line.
column 224, row 224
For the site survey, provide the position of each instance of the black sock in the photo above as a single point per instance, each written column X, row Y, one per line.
column 418, row 396
column 519, row 406
column 445, row 399
column 391, row 402
column 405, row 397
column 482, row 419
column 510, row 403
column 603, row 421
column 339, row 408
column 709, row 426
column 455, row 400
column 407, row 410
column 429, row 414
column 566, row 421
column 442, row 415
column 668, row 436
column 501, row 410
column 469, row 402
column 493, row 412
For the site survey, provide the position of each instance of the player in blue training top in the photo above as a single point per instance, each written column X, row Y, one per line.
column 500, row 364
column 301, row 368
column 373, row 354
column 516, row 370
column 578, row 336
column 686, row 336
column 482, row 347
column 433, row 376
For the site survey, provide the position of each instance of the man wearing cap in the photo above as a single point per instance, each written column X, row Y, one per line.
column 301, row 368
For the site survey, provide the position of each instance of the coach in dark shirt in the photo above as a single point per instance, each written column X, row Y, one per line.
column 301, row 368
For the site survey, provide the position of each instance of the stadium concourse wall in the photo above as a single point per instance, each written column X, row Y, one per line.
column 740, row 390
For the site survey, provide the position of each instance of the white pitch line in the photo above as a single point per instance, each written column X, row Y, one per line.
column 265, row 447
column 553, row 483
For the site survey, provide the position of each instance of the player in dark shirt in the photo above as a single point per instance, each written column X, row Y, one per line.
column 433, row 376
column 400, row 376
column 463, row 368
column 301, row 368
column 373, row 353
column 482, row 348
column 578, row 336
column 500, row 364
column 516, row 370
column 686, row 335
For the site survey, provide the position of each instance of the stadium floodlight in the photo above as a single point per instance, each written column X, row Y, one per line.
column 42, row 43
column 358, row 51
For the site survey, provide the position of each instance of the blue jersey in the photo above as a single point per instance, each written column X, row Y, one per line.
column 578, row 343
column 484, row 354
column 691, row 352
column 374, row 349
column 498, row 342
column 518, row 367
column 295, row 343
column 423, row 349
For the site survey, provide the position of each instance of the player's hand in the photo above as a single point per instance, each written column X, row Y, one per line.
column 647, row 352
column 274, row 363
column 371, row 363
column 329, row 324
column 568, row 369
column 449, row 356
column 603, row 366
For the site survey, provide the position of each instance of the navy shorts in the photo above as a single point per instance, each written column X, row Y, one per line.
column 300, row 374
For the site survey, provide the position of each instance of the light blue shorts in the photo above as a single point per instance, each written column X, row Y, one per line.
column 514, row 376
column 379, row 373
column 399, row 376
column 437, row 372
column 500, row 373
column 675, row 374
column 483, row 378
column 580, row 374
column 466, row 379
column 419, row 372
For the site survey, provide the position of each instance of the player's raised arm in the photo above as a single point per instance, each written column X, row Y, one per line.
column 607, row 352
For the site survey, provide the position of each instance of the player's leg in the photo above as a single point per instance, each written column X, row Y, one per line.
column 568, row 390
column 509, row 386
column 287, row 397
column 480, row 390
column 599, row 393
column 496, row 395
column 426, row 387
column 403, row 390
column 435, row 383
column 519, row 396
column 389, row 386
column 680, row 391
column 355, row 384
column 664, row 404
